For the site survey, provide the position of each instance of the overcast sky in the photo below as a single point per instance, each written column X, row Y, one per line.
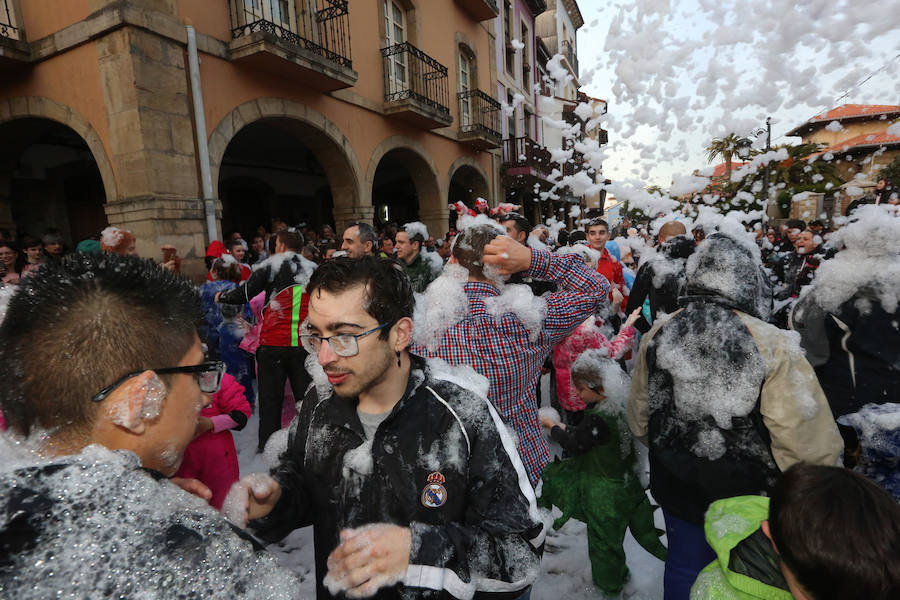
column 677, row 74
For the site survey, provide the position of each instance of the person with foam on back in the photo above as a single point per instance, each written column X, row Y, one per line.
column 411, row 482
column 279, row 357
column 724, row 400
column 102, row 400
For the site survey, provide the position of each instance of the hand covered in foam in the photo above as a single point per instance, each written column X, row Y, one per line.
column 253, row 497
column 368, row 559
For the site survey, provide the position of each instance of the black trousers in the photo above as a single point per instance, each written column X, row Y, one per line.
column 275, row 365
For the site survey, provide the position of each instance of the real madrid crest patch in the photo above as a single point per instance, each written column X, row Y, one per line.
column 435, row 494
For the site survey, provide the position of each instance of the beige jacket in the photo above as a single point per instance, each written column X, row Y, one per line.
column 792, row 403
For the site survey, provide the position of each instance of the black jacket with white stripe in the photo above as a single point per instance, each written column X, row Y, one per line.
column 441, row 463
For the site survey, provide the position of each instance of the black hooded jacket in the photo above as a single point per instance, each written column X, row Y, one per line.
column 661, row 279
column 482, row 538
column 857, row 350
column 725, row 400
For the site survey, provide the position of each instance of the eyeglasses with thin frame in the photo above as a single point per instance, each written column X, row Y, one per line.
column 209, row 377
column 343, row 344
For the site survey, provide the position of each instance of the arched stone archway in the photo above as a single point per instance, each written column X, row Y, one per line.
column 468, row 169
column 50, row 180
column 45, row 108
column 466, row 181
column 332, row 150
column 431, row 206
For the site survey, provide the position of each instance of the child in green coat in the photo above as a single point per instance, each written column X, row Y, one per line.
column 826, row 534
column 598, row 485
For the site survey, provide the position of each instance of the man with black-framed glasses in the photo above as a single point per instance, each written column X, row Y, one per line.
column 103, row 382
column 412, row 482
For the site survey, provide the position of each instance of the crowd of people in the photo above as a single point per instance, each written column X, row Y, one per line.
column 760, row 369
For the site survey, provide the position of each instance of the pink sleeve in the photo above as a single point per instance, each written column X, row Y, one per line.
column 222, row 423
column 231, row 397
column 257, row 303
column 622, row 343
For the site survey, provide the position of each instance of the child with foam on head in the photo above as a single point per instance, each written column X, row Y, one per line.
column 599, row 485
column 588, row 336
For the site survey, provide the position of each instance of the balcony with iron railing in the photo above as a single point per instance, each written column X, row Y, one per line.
column 313, row 35
column 574, row 165
column 416, row 87
column 568, row 50
column 523, row 156
column 480, row 10
column 13, row 47
column 479, row 120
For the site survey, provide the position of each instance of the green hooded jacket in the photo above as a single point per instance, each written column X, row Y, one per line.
column 421, row 272
column 747, row 566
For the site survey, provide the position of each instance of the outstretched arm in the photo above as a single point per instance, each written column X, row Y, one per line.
column 581, row 290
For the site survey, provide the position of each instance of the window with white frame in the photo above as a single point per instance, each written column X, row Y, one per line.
column 395, row 31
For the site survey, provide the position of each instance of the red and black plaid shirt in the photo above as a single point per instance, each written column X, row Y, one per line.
column 500, row 348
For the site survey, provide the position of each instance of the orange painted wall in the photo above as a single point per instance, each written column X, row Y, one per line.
column 227, row 85
column 43, row 17
column 72, row 79
column 207, row 17
column 437, row 22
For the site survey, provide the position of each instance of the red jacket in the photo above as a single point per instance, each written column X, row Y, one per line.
column 610, row 268
column 282, row 317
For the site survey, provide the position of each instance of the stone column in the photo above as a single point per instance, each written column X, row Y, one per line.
column 344, row 216
column 148, row 105
column 437, row 221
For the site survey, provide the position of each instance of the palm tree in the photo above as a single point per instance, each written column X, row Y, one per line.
column 726, row 147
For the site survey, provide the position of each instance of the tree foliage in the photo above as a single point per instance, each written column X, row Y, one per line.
column 891, row 172
column 787, row 178
column 724, row 147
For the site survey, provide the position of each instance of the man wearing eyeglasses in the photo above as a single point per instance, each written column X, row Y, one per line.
column 103, row 372
column 412, row 483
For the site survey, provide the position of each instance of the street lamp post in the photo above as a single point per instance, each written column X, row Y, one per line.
column 766, row 168
column 743, row 148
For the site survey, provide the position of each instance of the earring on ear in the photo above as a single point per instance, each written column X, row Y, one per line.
column 398, row 358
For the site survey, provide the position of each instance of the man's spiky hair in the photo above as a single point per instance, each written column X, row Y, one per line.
column 75, row 326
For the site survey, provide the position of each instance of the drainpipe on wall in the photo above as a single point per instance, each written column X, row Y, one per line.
column 209, row 207
column 495, row 184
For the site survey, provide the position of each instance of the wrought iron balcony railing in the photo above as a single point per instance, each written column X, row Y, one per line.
column 478, row 114
column 320, row 26
column 574, row 165
column 571, row 55
column 8, row 22
column 409, row 73
column 525, row 152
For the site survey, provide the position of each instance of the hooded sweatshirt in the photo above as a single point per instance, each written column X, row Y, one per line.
column 661, row 280
column 725, row 400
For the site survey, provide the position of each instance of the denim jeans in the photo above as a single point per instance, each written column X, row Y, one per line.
column 688, row 554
